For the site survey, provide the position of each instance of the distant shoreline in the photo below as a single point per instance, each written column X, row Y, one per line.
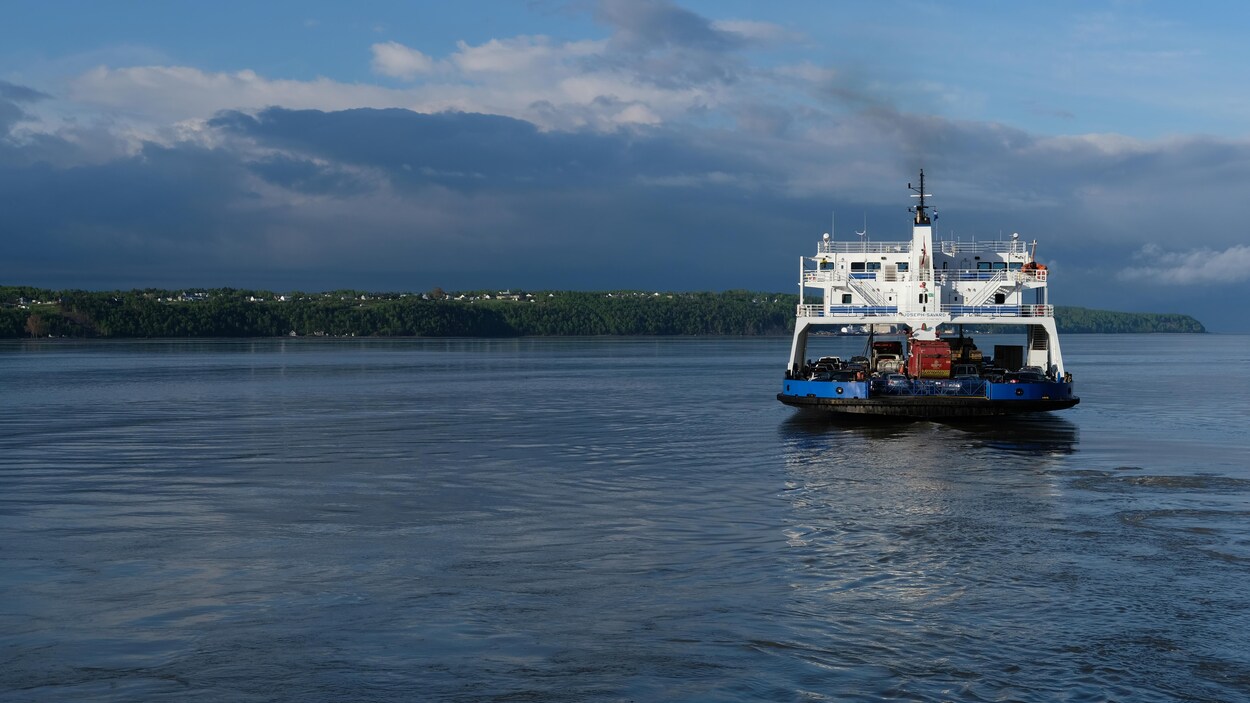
column 226, row 313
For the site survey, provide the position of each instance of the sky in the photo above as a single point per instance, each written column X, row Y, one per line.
column 621, row 144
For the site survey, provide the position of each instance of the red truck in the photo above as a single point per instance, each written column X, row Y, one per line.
column 929, row 359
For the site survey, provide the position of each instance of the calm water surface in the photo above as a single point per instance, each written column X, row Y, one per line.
column 610, row 520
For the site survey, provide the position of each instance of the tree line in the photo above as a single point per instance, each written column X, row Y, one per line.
column 1080, row 320
column 226, row 312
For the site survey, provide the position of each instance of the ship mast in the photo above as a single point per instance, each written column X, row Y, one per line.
column 921, row 296
column 922, row 217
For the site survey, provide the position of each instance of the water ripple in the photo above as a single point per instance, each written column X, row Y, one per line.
column 569, row 520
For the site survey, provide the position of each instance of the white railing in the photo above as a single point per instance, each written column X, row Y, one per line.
column 824, row 276
column 867, row 292
column 939, row 275
column 862, row 247
column 1014, row 246
column 1000, row 310
column 947, row 247
column 847, row 310
column 1013, row 311
column 841, row 276
column 999, row 275
column 988, row 291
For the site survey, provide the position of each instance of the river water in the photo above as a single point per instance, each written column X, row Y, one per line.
column 610, row 520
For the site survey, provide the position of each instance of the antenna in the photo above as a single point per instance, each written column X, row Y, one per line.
column 865, row 226
column 919, row 208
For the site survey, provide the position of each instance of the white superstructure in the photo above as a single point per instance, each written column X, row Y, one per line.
column 923, row 284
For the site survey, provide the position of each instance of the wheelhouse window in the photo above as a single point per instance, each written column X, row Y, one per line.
column 874, row 265
column 857, row 266
column 983, row 266
column 902, row 265
column 826, row 265
column 1000, row 265
column 1016, row 265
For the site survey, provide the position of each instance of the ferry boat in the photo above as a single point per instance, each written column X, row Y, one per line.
column 914, row 298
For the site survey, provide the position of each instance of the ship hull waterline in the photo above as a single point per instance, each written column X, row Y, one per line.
column 926, row 407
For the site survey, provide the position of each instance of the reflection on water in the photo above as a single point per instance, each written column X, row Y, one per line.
column 1017, row 572
column 572, row 520
column 1029, row 434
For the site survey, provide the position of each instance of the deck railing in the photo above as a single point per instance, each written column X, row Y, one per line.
column 862, row 247
column 939, row 275
column 946, row 386
column 1014, row 246
column 847, row 310
column 1013, row 275
column 1001, row 310
column 1013, row 311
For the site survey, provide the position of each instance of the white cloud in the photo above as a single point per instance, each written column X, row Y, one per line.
column 173, row 93
column 398, row 61
column 556, row 85
column 637, row 114
column 520, row 54
column 1193, row 267
column 1105, row 144
column 762, row 32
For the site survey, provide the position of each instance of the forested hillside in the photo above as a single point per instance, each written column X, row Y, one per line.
column 225, row 312
column 1077, row 320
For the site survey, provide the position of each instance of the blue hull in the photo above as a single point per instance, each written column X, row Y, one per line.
column 929, row 398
